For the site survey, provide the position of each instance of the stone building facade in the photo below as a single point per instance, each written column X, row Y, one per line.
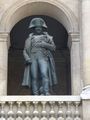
column 74, row 15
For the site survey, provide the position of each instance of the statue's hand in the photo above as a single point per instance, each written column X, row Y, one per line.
column 29, row 61
column 48, row 45
column 43, row 44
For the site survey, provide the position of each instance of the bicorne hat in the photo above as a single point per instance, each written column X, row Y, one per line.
column 35, row 22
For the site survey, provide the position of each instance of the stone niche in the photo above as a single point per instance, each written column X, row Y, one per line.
column 55, row 9
column 16, row 61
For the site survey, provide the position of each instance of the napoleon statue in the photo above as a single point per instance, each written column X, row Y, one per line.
column 39, row 72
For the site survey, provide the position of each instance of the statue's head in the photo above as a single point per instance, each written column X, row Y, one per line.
column 38, row 24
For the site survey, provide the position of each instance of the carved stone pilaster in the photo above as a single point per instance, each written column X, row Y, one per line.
column 3, row 62
column 74, row 45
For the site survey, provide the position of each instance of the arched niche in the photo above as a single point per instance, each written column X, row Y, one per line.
column 16, row 65
column 54, row 9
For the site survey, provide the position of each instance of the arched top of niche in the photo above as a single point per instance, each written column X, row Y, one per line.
column 52, row 8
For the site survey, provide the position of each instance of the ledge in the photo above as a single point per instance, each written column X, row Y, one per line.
column 39, row 98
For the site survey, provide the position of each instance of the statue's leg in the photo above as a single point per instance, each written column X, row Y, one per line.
column 34, row 74
column 43, row 65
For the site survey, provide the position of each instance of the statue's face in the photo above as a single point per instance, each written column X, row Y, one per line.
column 38, row 30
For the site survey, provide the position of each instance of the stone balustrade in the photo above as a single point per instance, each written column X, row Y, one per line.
column 40, row 107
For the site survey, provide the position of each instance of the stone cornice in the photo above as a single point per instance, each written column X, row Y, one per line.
column 75, row 37
column 4, row 37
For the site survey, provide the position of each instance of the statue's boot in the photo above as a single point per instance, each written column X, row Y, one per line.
column 47, row 93
column 41, row 90
column 36, row 92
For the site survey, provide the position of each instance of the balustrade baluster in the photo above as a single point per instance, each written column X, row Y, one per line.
column 69, row 113
column 19, row 114
column 60, row 112
column 44, row 113
column 52, row 112
column 35, row 112
column 77, row 114
column 10, row 113
column 2, row 113
column 27, row 112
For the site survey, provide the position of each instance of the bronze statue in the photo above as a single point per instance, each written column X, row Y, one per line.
column 39, row 71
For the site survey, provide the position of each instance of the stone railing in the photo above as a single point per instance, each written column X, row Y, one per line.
column 40, row 107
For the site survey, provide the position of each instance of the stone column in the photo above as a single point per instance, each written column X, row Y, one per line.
column 75, row 63
column 3, row 63
column 85, row 58
column 85, row 44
